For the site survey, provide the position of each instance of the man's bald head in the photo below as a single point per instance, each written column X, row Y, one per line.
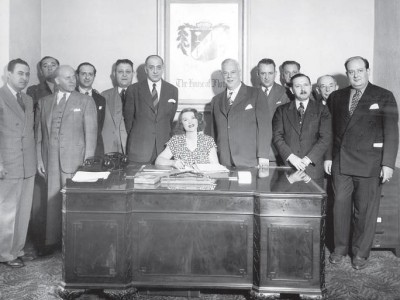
column 65, row 78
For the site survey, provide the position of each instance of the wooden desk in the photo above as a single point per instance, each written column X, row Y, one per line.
column 266, row 237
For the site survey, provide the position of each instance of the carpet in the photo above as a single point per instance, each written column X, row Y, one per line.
column 39, row 279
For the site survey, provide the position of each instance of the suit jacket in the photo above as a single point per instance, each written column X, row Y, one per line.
column 78, row 132
column 145, row 127
column 114, row 131
column 276, row 97
column 17, row 141
column 38, row 91
column 101, row 111
column 312, row 139
column 369, row 139
column 244, row 133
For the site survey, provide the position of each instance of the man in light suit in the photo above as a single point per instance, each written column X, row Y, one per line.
column 114, row 131
column 365, row 144
column 149, row 113
column 17, row 163
column 302, row 130
column 275, row 94
column 240, row 121
column 66, row 132
column 47, row 66
column 86, row 73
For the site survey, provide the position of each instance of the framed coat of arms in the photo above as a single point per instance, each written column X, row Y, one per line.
column 195, row 36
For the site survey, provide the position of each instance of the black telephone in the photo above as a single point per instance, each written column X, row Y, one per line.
column 110, row 161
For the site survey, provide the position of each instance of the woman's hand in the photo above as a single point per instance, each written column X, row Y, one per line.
column 179, row 164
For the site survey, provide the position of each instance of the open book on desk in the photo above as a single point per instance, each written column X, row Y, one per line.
column 82, row 176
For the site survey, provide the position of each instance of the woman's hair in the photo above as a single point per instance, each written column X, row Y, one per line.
column 199, row 116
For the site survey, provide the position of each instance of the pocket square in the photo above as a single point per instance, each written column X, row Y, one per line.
column 172, row 100
column 378, row 145
column 100, row 107
column 279, row 102
column 77, row 109
column 249, row 106
column 374, row 106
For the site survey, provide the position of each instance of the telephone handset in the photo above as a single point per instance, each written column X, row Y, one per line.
column 110, row 161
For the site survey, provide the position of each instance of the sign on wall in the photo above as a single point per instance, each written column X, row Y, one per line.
column 194, row 38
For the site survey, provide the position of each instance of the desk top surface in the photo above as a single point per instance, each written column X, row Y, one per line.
column 273, row 180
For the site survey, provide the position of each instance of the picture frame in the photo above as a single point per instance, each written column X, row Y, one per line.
column 194, row 37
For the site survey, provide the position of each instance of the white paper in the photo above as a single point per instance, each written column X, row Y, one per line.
column 82, row 176
column 210, row 168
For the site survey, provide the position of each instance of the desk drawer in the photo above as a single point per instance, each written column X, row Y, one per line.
column 387, row 229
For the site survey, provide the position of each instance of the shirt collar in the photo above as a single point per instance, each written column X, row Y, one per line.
column 120, row 89
column 60, row 94
column 158, row 85
column 305, row 103
column 14, row 92
column 235, row 91
column 84, row 91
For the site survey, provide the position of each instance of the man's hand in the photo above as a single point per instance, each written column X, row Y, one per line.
column 306, row 161
column 298, row 176
column 386, row 173
column 3, row 172
column 41, row 170
column 328, row 167
column 263, row 162
column 297, row 162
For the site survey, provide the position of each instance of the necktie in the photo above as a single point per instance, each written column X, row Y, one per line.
column 266, row 91
column 154, row 96
column 87, row 93
column 301, row 112
column 354, row 101
column 230, row 100
column 63, row 99
column 20, row 101
column 122, row 95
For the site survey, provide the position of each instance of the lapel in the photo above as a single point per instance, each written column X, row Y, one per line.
column 291, row 113
column 145, row 94
column 162, row 100
column 311, row 112
column 111, row 102
column 222, row 99
column 241, row 96
column 343, row 106
column 48, row 110
column 362, row 108
column 11, row 102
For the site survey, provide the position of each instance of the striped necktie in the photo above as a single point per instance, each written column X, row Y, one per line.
column 354, row 101
column 154, row 96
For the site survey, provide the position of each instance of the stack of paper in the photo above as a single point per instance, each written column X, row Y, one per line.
column 82, row 176
column 210, row 168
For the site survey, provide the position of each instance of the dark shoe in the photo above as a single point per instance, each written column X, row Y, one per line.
column 336, row 258
column 16, row 263
column 359, row 263
column 28, row 257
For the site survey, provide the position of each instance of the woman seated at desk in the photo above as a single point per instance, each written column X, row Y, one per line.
column 189, row 145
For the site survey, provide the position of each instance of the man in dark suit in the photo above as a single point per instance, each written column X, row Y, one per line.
column 288, row 69
column 326, row 84
column 86, row 74
column 240, row 121
column 365, row 143
column 149, row 113
column 47, row 66
column 17, row 163
column 302, row 130
column 66, row 134
column 47, row 86
column 274, row 93
column 114, row 131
